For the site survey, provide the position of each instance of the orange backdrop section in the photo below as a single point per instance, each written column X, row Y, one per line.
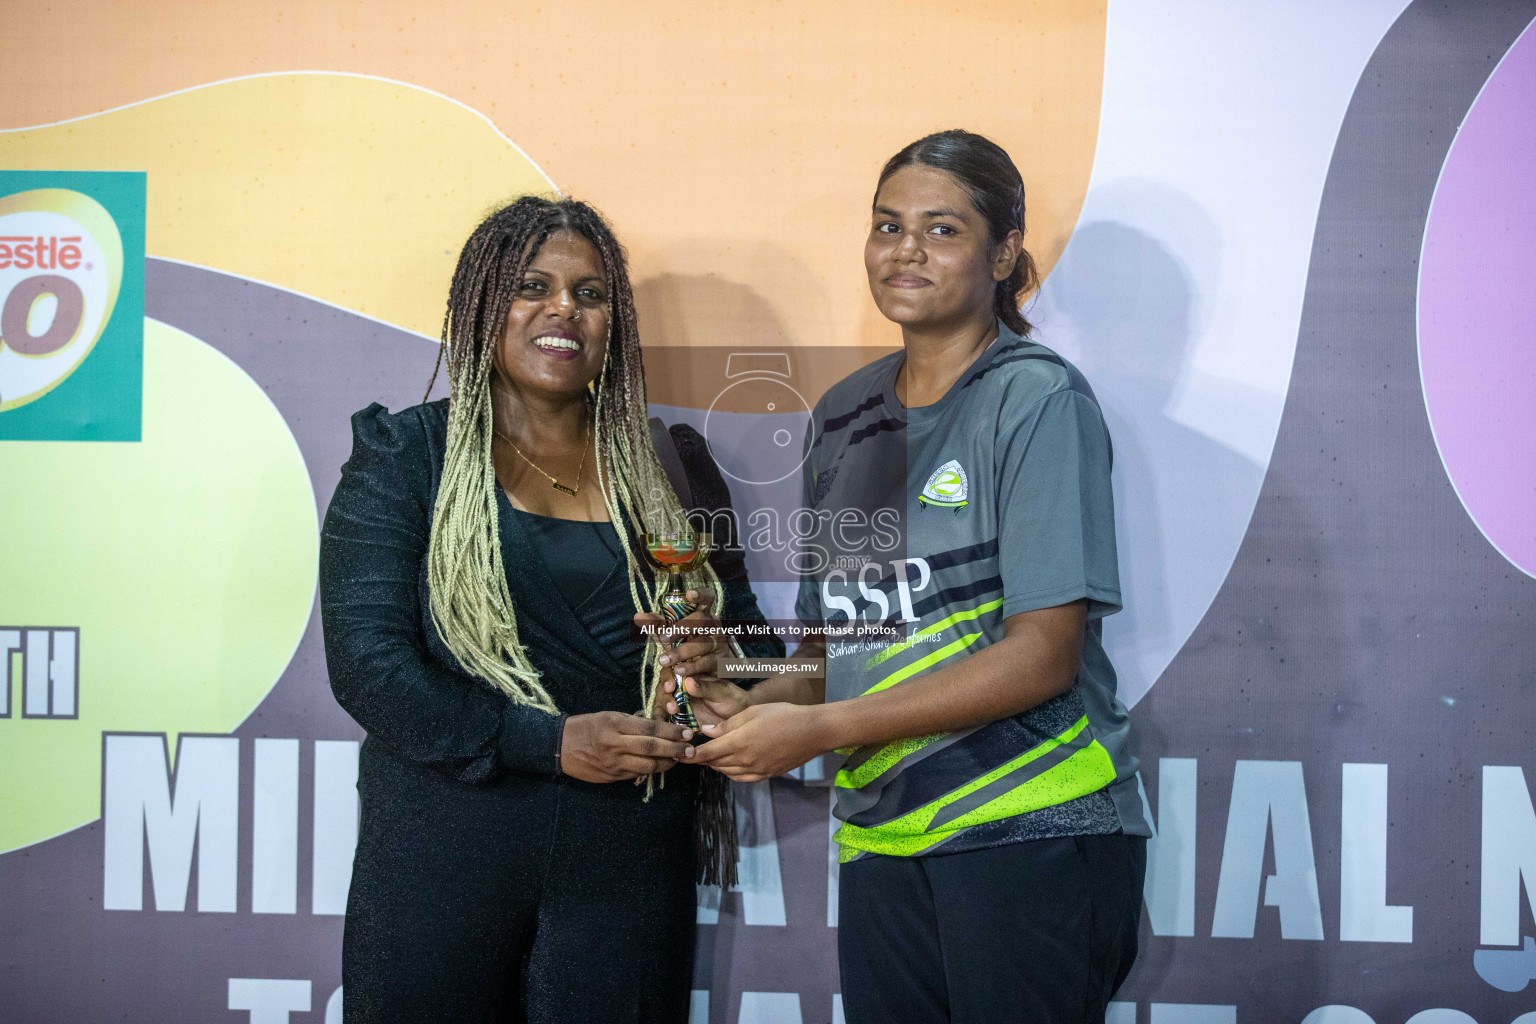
column 734, row 145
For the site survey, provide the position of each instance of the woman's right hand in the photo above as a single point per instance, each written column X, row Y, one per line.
column 610, row 746
column 712, row 700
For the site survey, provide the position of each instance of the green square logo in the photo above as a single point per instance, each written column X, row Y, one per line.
column 71, row 305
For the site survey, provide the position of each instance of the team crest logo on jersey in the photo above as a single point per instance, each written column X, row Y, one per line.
column 948, row 487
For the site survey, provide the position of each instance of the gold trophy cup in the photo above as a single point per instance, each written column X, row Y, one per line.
column 677, row 552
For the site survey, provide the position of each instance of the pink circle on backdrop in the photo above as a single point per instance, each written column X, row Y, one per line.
column 1477, row 309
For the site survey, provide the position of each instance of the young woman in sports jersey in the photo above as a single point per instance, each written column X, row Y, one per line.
column 992, row 841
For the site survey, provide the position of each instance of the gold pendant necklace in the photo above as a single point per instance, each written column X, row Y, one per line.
column 585, row 434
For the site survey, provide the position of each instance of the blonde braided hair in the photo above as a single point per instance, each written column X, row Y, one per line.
column 471, row 605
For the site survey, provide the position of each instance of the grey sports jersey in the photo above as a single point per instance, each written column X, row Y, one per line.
column 1008, row 508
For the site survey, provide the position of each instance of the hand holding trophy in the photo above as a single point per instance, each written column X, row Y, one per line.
column 677, row 552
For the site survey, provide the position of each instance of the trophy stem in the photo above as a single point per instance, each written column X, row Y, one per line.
column 674, row 606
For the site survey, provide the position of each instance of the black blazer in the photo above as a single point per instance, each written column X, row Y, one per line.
column 388, row 667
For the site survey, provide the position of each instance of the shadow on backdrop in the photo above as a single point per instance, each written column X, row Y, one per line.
column 1123, row 307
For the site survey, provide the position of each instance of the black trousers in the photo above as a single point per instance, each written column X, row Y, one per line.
column 545, row 902
column 1038, row 932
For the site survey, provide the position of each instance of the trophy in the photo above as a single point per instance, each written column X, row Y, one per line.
column 677, row 552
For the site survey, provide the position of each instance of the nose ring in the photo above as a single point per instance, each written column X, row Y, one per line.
column 576, row 316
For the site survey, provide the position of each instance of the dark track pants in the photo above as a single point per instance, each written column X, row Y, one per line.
column 1039, row 932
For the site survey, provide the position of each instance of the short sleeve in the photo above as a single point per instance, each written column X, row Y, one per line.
column 1056, row 508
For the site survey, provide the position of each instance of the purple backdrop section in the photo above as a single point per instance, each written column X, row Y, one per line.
column 1365, row 620
column 1477, row 308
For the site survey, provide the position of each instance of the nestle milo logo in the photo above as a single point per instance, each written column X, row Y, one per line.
column 71, row 305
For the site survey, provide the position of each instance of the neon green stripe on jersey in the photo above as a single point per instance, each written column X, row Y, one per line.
column 887, row 756
column 892, row 753
column 938, row 627
column 949, row 650
column 1087, row 770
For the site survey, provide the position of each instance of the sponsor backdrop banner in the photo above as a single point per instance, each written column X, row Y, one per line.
column 1291, row 245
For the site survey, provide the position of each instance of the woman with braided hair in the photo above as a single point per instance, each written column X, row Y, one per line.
column 480, row 574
